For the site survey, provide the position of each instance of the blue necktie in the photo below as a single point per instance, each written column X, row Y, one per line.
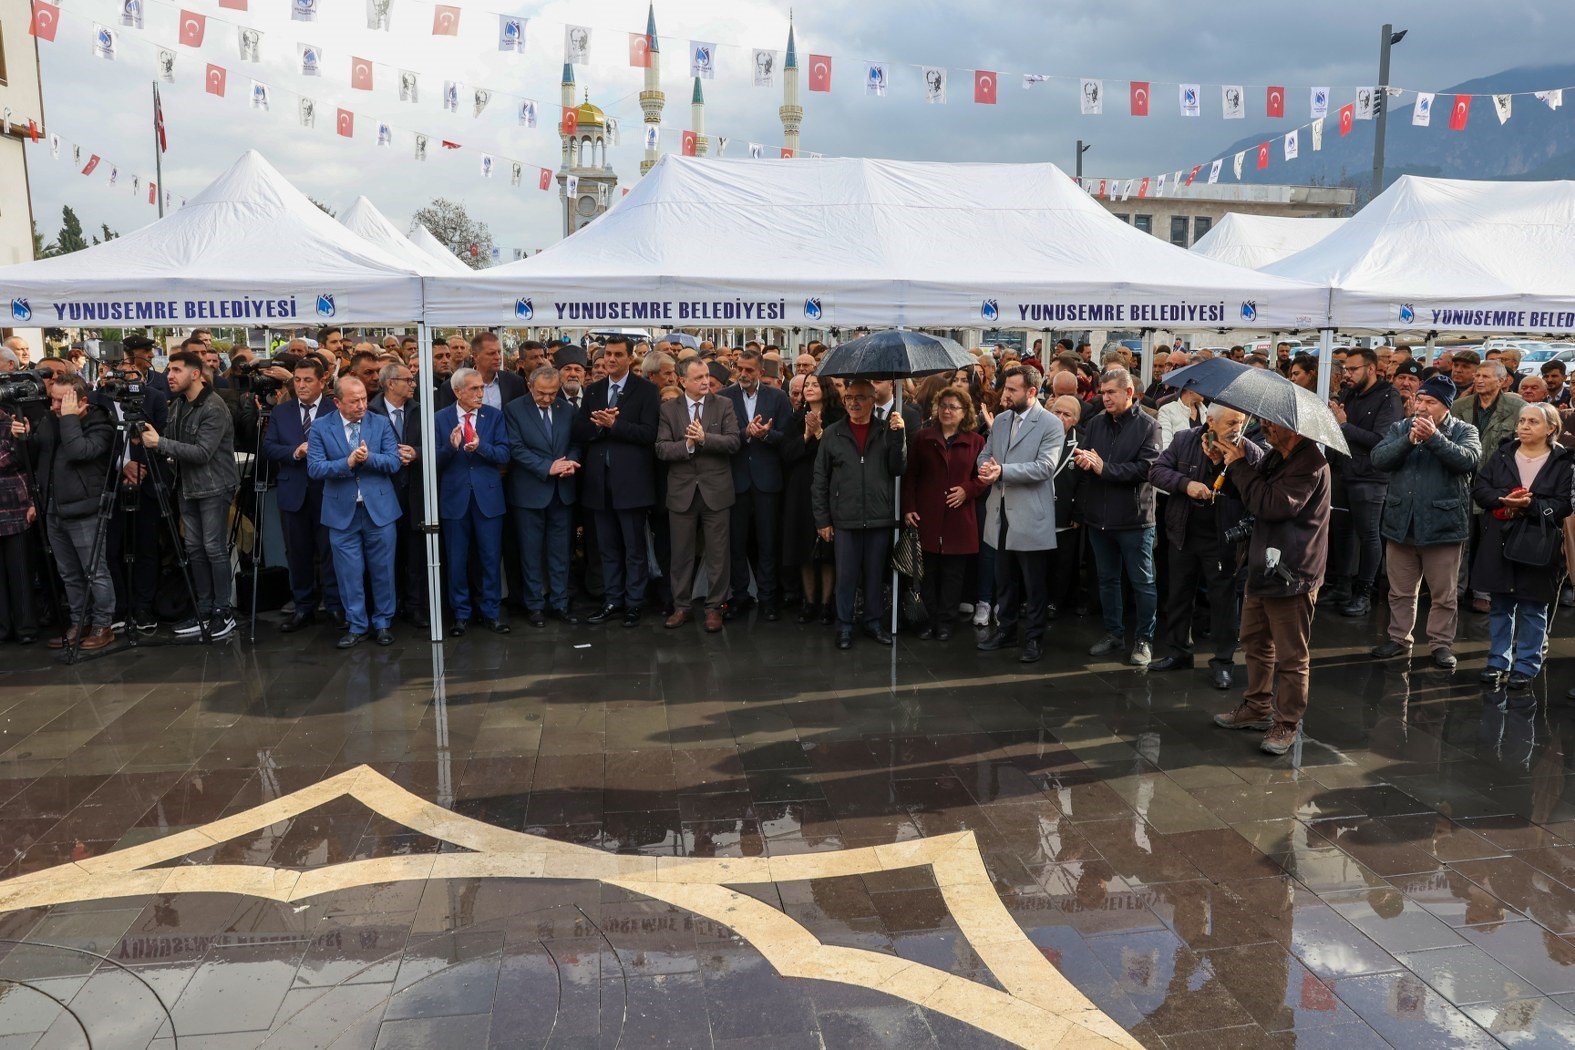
column 612, row 395
column 355, row 435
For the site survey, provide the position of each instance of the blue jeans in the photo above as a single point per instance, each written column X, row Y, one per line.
column 1131, row 550
column 1518, row 625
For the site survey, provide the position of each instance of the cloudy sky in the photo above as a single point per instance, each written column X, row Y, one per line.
column 104, row 106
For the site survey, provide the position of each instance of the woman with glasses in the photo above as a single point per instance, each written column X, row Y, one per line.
column 938, row 496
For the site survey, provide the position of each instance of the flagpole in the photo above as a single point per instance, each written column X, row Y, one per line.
column 158, row 154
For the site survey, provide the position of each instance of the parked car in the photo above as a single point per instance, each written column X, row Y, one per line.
column 1531, row 361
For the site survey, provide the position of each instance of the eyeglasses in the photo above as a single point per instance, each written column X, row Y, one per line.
column 403, row 379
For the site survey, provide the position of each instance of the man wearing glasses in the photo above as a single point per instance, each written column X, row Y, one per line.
column 397, row 402
column 1365, row 411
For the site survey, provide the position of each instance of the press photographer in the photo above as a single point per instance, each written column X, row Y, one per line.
column 125, row 394
column 18, row 616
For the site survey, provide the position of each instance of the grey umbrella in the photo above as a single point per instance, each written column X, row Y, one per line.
column 1263, row 393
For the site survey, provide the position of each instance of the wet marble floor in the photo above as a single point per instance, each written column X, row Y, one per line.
column 598, row 837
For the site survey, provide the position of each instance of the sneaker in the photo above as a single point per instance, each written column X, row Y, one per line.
column 221, row 624
column 188, row 627
column 118, row 626
column 1107, row 645
column 1142, row 655
column 981, row 614
column 1359, row 605
column 965, row 608
column 1278, row 740
column 1242, row 717
column 145, row 622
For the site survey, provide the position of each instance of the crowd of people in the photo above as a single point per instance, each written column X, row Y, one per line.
column 604, row 481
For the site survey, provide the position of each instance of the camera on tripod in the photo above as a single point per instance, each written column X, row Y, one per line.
column 129, row 394
column 21, row 389
column 251, row 377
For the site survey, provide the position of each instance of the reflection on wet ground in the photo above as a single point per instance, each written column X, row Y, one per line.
column 1405, row 877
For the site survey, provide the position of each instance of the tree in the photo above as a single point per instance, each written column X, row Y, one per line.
column 70, row 238
column 449, row 222
column 325, row 209
column 109, row 234
column 39, row 249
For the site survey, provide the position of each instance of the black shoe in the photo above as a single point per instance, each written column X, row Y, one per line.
column 221, row 624
column 499, row 626
column 771, row 611
column 1107, row 646
column 1051, row 611
column 808, row 613
column 419, row 618
column 1220, row 674
column 341, row 621
column 1335, row 596
column 828, row 614
column 631, row 616
column 1388, row 650
column 926, row 633
column 1359, row 605
column 1490, row 676
column 350, row 640
column 563, row 616
column 878, row 634
column 1518, row 680
column 844, row 639
column 145, row 622
column 1173, row 662
column 385, row 636
column 458, row 628
column 536, row 618
column 737, row 609
column 1031, row 653
column 1444, row 659
column 943, row 633
column 997, row 640
column 605, row 613
column 296, row 622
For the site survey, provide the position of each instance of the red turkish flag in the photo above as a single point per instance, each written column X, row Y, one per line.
column 87, row 169
column 153, row 193
column 1276, row 101
column 1101, row 187
column 1193, row 173
column 787, row 154
column 1143, row 187
column 571, row 121
column 640, row 50
column 345, row 124
column 32, row 131
column 233, row 5
column 46, row 19
column 1139, row 94
column 1347, row 118
column 984, row 87
column 192, row 28
column 446, row 144
column 1263, row 155
column 215, row 82
column 545, row 179
column 361, row 74
column 820, row 72
column 689, row 144
column 1459, row 113
column 445, row 20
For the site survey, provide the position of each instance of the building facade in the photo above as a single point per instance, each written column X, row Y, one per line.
column 1184, row 214
column 21, row 102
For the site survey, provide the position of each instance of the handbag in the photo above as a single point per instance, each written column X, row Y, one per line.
column 1531, row 541
column 907, row 557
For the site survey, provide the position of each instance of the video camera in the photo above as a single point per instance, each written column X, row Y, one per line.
column 128, row 394
column 24, row 388
column 250, row 377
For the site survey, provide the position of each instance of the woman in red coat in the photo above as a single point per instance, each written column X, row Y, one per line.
column 938, row 496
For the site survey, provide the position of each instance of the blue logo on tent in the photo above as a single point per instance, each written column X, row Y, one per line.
column 524, row 309
column 812, row 310
column 1249, row 311
column 1407, row 314
column 990, row 310
column 21, row 310
column 325, row 305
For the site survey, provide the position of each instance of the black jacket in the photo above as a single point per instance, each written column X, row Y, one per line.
column 73, row 461
column 1185, row 462
column 1289, row 496
column 619, row 469
column 1121, row 497
column 853, row 491
column 1550, row 501
column 1368, row 417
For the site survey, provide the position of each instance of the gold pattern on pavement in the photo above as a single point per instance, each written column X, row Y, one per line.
column 1039, row 1007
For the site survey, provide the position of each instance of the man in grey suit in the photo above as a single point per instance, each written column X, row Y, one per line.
column 1018, row 463
column 696, row 436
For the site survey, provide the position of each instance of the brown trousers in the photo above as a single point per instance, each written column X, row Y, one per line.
column 1274, row 641
column 691, row 528
column 1408, row 566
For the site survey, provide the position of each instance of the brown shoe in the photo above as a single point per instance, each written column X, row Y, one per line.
column 1242, row 717
column 713, row 620
column 62, row 640
column 1480, row 605
column 97, row 638
column 1278, row 740
column 678, row 619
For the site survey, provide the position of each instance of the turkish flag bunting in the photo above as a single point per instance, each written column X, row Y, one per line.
column 1263, row 155
column 445, row 20
column 87, row 169
column 46, row 19
column 192, row 28
column 1276, row 101
column 1139, row 90
column 689, row 144
column 1101, row 187
column 446, row 144
column 1347, row 118
column 820, row 72
column 1143, row 187
column 984, row 82
column 1459, row 113
column 361, row 74
column 233, row 5
column 546, row 178
column 787, row 154
column 571, row 121
column 153, row 193
column 345, row 124
column 1193, row 173
column 640, row 50
column 216, row 79
column 32, row 131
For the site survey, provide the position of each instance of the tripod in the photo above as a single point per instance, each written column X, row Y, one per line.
column 259, row 497
column 35, row 494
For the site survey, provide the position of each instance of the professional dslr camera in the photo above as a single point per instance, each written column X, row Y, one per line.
column 251, row 378
column 24, row 388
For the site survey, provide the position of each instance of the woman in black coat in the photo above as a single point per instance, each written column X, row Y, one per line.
column 1527, row 480
column 801, row 548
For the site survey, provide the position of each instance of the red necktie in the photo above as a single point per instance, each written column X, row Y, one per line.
column 470, row 430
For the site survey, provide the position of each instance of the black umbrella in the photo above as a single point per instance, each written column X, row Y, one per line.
column 1263, row 393
column 897, row 354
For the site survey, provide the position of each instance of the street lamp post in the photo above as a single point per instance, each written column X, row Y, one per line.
column 1081, row 149
column 1387, row 39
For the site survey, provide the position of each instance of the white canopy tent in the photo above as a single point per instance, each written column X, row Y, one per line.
column 423, row 238
column 250, row 249
column 837, row 241
column 1255, row 241
column 1432, row 255
column 363, row 218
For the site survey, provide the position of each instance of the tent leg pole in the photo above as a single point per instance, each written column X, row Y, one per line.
column 1325, row 362
column 429, row 497
column 896, row 502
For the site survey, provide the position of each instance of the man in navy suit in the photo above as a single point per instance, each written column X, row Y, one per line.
column 472, row 447
column 398, row 404
column 541, row 492
column 763, row 413
column 354, row 454
column 617, row 427
column 300, row 499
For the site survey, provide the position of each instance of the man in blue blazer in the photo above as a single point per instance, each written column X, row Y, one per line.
column 354, row 454
column 472, row 449
column 541, row 490
column 300, row 499
column 763, row 413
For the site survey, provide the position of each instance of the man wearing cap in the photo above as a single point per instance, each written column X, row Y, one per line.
column 1430, row 458
column 1407, row 380
column 573, row 368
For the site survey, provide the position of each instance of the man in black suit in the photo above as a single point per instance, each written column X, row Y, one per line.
column 300, row 499
column 885, row 401
column 762, row 413
column 617, row 428
column 397, row 401
column 498, row 386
